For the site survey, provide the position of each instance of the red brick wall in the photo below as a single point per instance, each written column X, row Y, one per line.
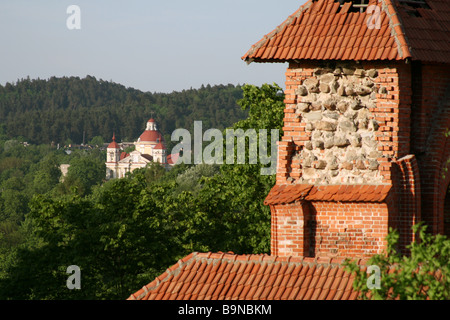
column 430, row 121
column 329, row 229
column 408, row 195
column 287, row 230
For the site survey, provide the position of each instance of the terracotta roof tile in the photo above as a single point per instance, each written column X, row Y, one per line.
column 283, row 194
column 427, row 30
column 248, row 277
column 406, row 32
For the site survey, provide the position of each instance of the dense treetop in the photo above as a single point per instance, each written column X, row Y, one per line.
column 64, row 109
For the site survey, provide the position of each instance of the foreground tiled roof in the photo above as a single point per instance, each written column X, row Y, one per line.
column 283, row 194
column 323, row 30
column 216, row 276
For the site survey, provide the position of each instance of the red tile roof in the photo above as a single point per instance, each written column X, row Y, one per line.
column 113, row 144
column 323, row 30
column 428, row 30
column 217, row 276
column 151, row 136
column 159, row 146
column 173, row 158
column 283, row 194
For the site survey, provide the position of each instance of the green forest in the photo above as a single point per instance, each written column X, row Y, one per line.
column 73, row 110
column 122, row 233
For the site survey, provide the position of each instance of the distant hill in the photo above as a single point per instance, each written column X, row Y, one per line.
column 67, row 109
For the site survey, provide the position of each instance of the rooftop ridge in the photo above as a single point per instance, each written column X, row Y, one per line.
column 172, row 271
column 265, row 258
column 396, row 21
column 289, row 193
column 316, row 17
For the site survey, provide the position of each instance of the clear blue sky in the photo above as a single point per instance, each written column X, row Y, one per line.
column 157, row 46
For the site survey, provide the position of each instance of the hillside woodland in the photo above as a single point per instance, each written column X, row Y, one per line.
column 73, row 110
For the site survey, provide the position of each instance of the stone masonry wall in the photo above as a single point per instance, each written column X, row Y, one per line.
column 335, row 107
column 344, row 123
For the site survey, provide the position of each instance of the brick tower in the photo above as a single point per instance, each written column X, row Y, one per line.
column 367, row 111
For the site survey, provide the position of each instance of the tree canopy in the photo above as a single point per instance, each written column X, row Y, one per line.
column 73, row 110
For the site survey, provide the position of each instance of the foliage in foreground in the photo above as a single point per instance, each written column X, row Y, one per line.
column 411, row 277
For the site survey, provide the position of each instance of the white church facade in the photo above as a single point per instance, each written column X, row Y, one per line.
column 149, row 148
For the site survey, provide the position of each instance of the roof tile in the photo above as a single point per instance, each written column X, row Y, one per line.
column 246, row 277
column 423, row 35
column 284, row 194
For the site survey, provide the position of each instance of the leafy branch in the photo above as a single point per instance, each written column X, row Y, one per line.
column 422, row 275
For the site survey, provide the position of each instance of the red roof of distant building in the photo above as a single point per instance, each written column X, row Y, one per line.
column 173, row 158
column 151, row 136
column 325, row 30
column 159, row 146
column 151, row 120
column 217, row 276
column 113, row 144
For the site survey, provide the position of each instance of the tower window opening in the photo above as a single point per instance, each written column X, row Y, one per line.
column 357, row 5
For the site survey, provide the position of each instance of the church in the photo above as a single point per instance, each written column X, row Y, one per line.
column 149, row 148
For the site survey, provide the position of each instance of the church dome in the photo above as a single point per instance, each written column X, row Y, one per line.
column 151, row 136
